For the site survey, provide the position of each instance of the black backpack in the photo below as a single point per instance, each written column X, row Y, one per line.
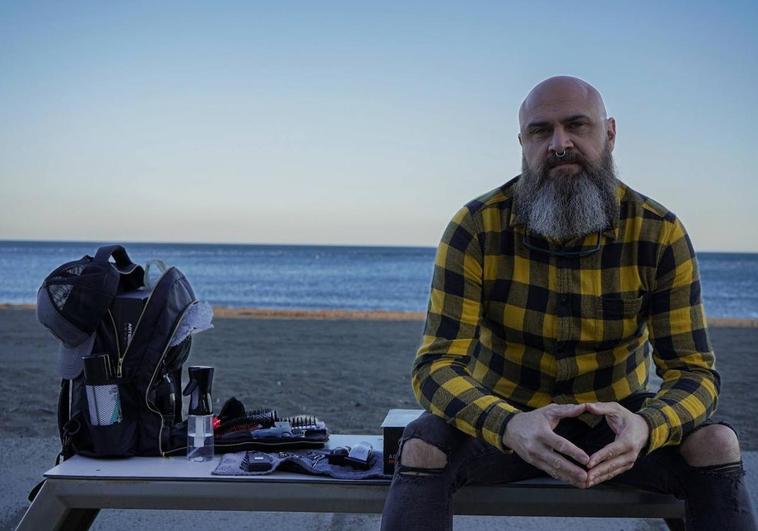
column 137, row 333
column 136, row 327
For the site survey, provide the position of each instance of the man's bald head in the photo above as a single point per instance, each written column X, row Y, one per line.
column 564, row 114
column 567, row 184
column 562, row 91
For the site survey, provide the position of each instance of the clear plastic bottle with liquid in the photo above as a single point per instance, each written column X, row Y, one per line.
column 200, row 437
column 200, row 419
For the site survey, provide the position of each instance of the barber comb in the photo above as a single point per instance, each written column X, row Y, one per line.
column 303, row 422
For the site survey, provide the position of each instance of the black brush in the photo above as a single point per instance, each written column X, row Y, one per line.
column 260, row 418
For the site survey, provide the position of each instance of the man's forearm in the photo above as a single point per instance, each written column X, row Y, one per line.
column 681, row 348
column 446, row 389
column 685, row 400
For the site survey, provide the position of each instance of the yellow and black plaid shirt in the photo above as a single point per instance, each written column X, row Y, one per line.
column 511, row 328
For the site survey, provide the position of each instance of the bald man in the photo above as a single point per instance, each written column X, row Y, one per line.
column 550, row 296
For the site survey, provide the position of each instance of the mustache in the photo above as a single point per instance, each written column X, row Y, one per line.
column 571, row 156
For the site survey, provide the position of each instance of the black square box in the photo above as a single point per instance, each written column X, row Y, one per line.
column 392, row 428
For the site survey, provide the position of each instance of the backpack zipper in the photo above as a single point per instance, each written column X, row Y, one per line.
column 155, row 371
column 121, row 358
column 118, row 346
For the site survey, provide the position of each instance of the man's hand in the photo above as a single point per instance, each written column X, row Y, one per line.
column 531, row 436
column 632, row 433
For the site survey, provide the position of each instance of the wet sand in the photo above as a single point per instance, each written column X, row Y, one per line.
column 374, row 315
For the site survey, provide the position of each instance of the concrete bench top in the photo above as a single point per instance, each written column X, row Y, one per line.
column 78, row 488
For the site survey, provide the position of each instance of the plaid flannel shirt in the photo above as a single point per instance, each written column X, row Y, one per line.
column 510, row 328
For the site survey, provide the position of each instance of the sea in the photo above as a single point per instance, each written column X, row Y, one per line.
column 310, row 277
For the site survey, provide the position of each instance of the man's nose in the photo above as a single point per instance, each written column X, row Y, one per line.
column 560, row 141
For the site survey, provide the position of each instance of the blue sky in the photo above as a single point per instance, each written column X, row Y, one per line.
column 354, row 123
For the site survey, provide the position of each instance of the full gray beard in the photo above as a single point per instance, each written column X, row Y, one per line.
column 564, row 208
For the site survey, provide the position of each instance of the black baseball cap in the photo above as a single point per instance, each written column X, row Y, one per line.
column 75, row 297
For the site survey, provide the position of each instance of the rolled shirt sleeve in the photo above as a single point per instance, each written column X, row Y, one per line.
column 682, row 351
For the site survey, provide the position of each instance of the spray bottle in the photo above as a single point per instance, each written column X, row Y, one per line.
column 200, row 419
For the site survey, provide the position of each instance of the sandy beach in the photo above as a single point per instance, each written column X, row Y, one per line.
column 347, row 371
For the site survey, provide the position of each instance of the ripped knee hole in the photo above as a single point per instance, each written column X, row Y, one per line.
column 418, row 457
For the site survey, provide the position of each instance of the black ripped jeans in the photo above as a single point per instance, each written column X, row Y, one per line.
column 715, row 497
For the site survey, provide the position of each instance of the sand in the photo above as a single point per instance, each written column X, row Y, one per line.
column 348, row 372
column 373, row 315
column 344, row 369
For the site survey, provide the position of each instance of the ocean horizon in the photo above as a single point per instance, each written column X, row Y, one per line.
column 324, row 277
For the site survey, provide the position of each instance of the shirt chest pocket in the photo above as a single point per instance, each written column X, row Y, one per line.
column 613, row 307
column 612, row 319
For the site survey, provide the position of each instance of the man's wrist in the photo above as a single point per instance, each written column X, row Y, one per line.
column 646, row 445
column 644, row 430
column 505, row 433
column 506, row 445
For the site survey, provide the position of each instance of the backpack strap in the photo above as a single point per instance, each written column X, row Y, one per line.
column 64, row 421
column 132, row 275
column 118, row 253
column 64, row 405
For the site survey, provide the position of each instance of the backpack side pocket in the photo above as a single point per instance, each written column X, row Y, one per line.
column 111, row 420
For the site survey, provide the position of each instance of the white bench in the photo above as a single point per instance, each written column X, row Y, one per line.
column 78, row 488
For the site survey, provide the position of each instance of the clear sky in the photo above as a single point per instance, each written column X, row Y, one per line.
column 356, row 122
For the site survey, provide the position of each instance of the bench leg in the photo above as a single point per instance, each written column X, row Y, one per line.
column 81, row 519
column 675, row 524
column 47, row 511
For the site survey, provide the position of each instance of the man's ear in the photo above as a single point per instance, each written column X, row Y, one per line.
column 520, row 143
column 610, row 130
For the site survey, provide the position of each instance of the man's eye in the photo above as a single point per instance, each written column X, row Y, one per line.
column 576, row 125
column 538, row 132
